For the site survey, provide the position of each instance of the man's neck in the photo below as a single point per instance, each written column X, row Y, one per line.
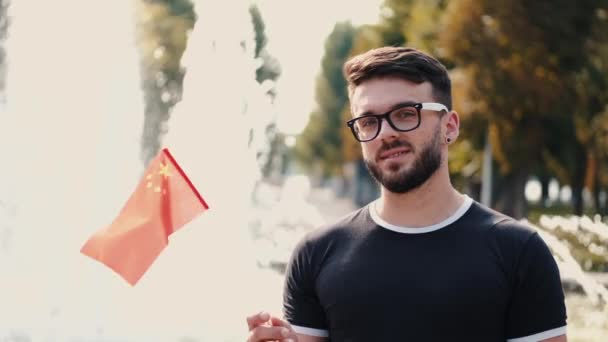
column 430, row 203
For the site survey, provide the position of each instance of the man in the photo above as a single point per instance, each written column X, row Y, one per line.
column 423, row 262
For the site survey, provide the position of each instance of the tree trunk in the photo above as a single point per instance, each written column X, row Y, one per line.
column 577, row 198
column 520, row 206
column 578, row 182
column 512, row 200
column 604, row 208
column 544, row 186
column 596, row 195
column 486, row 174
column 600, row 200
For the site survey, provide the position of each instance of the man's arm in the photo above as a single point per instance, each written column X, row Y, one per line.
column 561, row 338
column 537, row 307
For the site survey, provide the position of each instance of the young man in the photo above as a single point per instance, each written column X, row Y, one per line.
column 423, row 262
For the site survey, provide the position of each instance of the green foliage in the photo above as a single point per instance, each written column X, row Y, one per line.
column 530, row 76
column 366, row 37
column 162, row 28
column 270, row 68
column 162, row 31
column 268, row 71
column 321, row 142
column 521, row 61
column 394, row 18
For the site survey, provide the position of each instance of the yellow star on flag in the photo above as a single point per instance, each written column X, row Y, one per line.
column 164, row 170
column 138, row 235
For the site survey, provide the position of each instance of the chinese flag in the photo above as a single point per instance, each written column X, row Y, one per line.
column 163, row 202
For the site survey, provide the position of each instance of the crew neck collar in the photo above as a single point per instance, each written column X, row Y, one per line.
column 466, row 204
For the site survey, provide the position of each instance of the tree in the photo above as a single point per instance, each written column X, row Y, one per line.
column 162, row 28
column 516, row 56
column 270, row 68
column 266, row 74
column 393, row 20
column 365, row 187
column 591, row 119
column 321, row 142
column 367, row 37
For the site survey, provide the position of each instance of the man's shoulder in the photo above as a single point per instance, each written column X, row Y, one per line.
column 503, row 228
column 316, row 245
column 344, row 226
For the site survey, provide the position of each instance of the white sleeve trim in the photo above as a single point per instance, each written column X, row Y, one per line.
column 310, row 331
column 540, row 336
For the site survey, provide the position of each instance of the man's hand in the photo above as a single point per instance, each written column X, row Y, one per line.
column 263, row 327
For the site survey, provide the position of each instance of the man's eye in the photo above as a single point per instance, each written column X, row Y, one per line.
column 367, row 122
column 404, row 114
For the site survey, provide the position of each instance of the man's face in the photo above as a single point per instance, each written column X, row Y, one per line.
column 400, row 161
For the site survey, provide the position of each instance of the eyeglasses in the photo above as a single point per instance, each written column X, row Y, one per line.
column 404, row 118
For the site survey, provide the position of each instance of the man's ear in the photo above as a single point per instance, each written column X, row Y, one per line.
column 452, row 126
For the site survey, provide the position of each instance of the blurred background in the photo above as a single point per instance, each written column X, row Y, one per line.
column 250, row 98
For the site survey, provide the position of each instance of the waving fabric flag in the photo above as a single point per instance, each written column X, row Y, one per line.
column 164, row 201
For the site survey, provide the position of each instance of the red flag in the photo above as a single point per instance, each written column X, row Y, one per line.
column 163, row 202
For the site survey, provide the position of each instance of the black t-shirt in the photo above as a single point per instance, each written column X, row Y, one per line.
column 478, row 276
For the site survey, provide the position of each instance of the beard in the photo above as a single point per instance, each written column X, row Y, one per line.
column 423, row 167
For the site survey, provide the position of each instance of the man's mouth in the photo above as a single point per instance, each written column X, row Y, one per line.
column 394, row 153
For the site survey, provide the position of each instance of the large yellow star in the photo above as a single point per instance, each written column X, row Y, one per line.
column 164, row 170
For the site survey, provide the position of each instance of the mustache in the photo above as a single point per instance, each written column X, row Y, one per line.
column 393, row 144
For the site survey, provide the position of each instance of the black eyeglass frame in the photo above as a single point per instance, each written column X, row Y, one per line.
column 386, row 116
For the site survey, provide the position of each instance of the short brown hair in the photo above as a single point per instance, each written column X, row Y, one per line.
column 400, row 62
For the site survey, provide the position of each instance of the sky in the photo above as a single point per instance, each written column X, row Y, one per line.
column 296, row 34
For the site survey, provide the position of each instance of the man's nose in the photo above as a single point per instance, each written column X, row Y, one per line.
column 386, row 131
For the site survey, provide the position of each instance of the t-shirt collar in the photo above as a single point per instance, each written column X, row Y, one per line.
column 419, row 230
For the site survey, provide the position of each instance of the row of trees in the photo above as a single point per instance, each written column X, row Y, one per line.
column 529, row 80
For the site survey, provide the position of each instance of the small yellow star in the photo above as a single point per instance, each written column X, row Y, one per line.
column 149, row 185
column 164, row 170
column 157, row 189
column 149, row 177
